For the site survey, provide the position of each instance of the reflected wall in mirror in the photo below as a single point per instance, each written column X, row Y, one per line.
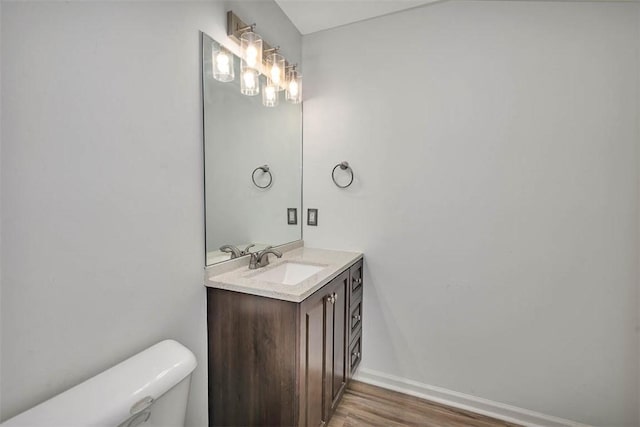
column 241, row 137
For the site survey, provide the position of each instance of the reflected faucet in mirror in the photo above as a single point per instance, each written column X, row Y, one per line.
column 261, row 258
column 234, row 251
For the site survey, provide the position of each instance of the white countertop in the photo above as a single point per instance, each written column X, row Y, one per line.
column 241, row 279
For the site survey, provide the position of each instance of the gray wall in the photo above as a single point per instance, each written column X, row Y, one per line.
column 101, row 185
column 495, row 147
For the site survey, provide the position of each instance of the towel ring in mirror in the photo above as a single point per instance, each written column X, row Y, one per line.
column 264, row 169
column 342, row 166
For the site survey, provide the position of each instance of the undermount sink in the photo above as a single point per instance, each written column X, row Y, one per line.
column 288, row 273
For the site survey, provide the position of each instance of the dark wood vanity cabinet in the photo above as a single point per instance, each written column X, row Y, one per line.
column 280, row 363
column 323, row 366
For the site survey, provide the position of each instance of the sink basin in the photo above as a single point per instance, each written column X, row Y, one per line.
column 289, row 273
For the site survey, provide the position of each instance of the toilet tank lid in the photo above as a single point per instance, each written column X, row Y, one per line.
column 108, row 398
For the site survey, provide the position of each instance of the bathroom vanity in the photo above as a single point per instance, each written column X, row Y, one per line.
column 282, row 354
column 284, row 338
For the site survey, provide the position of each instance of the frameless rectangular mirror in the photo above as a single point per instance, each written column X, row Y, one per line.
column 252, row 164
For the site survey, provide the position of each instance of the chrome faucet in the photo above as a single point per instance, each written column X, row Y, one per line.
column 234, row 251
column 261, row 258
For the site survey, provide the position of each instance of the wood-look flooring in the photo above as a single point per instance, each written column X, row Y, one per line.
column 370, row 406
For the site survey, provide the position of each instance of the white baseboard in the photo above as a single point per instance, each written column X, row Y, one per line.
column 467, row 402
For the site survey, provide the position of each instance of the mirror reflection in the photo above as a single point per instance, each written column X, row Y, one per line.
column 253, row 163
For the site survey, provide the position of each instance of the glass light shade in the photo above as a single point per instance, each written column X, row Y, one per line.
column 276, row 69
column 249, row 80
column 270, row 94
column 293, row 92
column 222, row 63
column 251, row 49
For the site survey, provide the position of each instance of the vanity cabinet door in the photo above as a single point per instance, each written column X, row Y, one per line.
column 336, row 340
column 312, row 360
column 323, row 355
column 252, row 359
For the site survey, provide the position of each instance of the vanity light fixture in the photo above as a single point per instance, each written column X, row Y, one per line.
column 222, row 64
column 293, row 85
column 259, row 57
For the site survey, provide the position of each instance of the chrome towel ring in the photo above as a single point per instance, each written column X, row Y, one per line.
column 264, row 169
column 342, row 166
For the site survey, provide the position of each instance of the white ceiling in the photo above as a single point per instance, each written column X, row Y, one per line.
column 310, row 16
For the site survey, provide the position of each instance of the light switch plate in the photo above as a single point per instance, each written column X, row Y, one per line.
column 292, row 216
column 312, row 217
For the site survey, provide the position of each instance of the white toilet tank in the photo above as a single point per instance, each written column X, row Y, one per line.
column 149, row 389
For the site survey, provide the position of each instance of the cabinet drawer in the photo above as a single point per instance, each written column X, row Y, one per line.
column 356, row 280
column 355, row 318
column 355, row 354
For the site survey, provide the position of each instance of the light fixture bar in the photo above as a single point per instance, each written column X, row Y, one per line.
column 270, row 50
column 235, row 28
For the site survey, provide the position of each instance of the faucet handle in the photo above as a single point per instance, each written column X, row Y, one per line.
column 263, row 256
column 230, row 249
column 246, row 250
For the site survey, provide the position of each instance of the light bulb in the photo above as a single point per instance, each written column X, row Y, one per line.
column 293, row 88
column 249, row 84
column 252, row 56
column 275, row 74
column 249, row 81
column 270, row 93
column 275, row 70
column 222, row 63
column 251, row 49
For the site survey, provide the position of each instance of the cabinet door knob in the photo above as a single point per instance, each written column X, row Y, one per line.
column 357, row 317
column 358, row 281
column 332, row 298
